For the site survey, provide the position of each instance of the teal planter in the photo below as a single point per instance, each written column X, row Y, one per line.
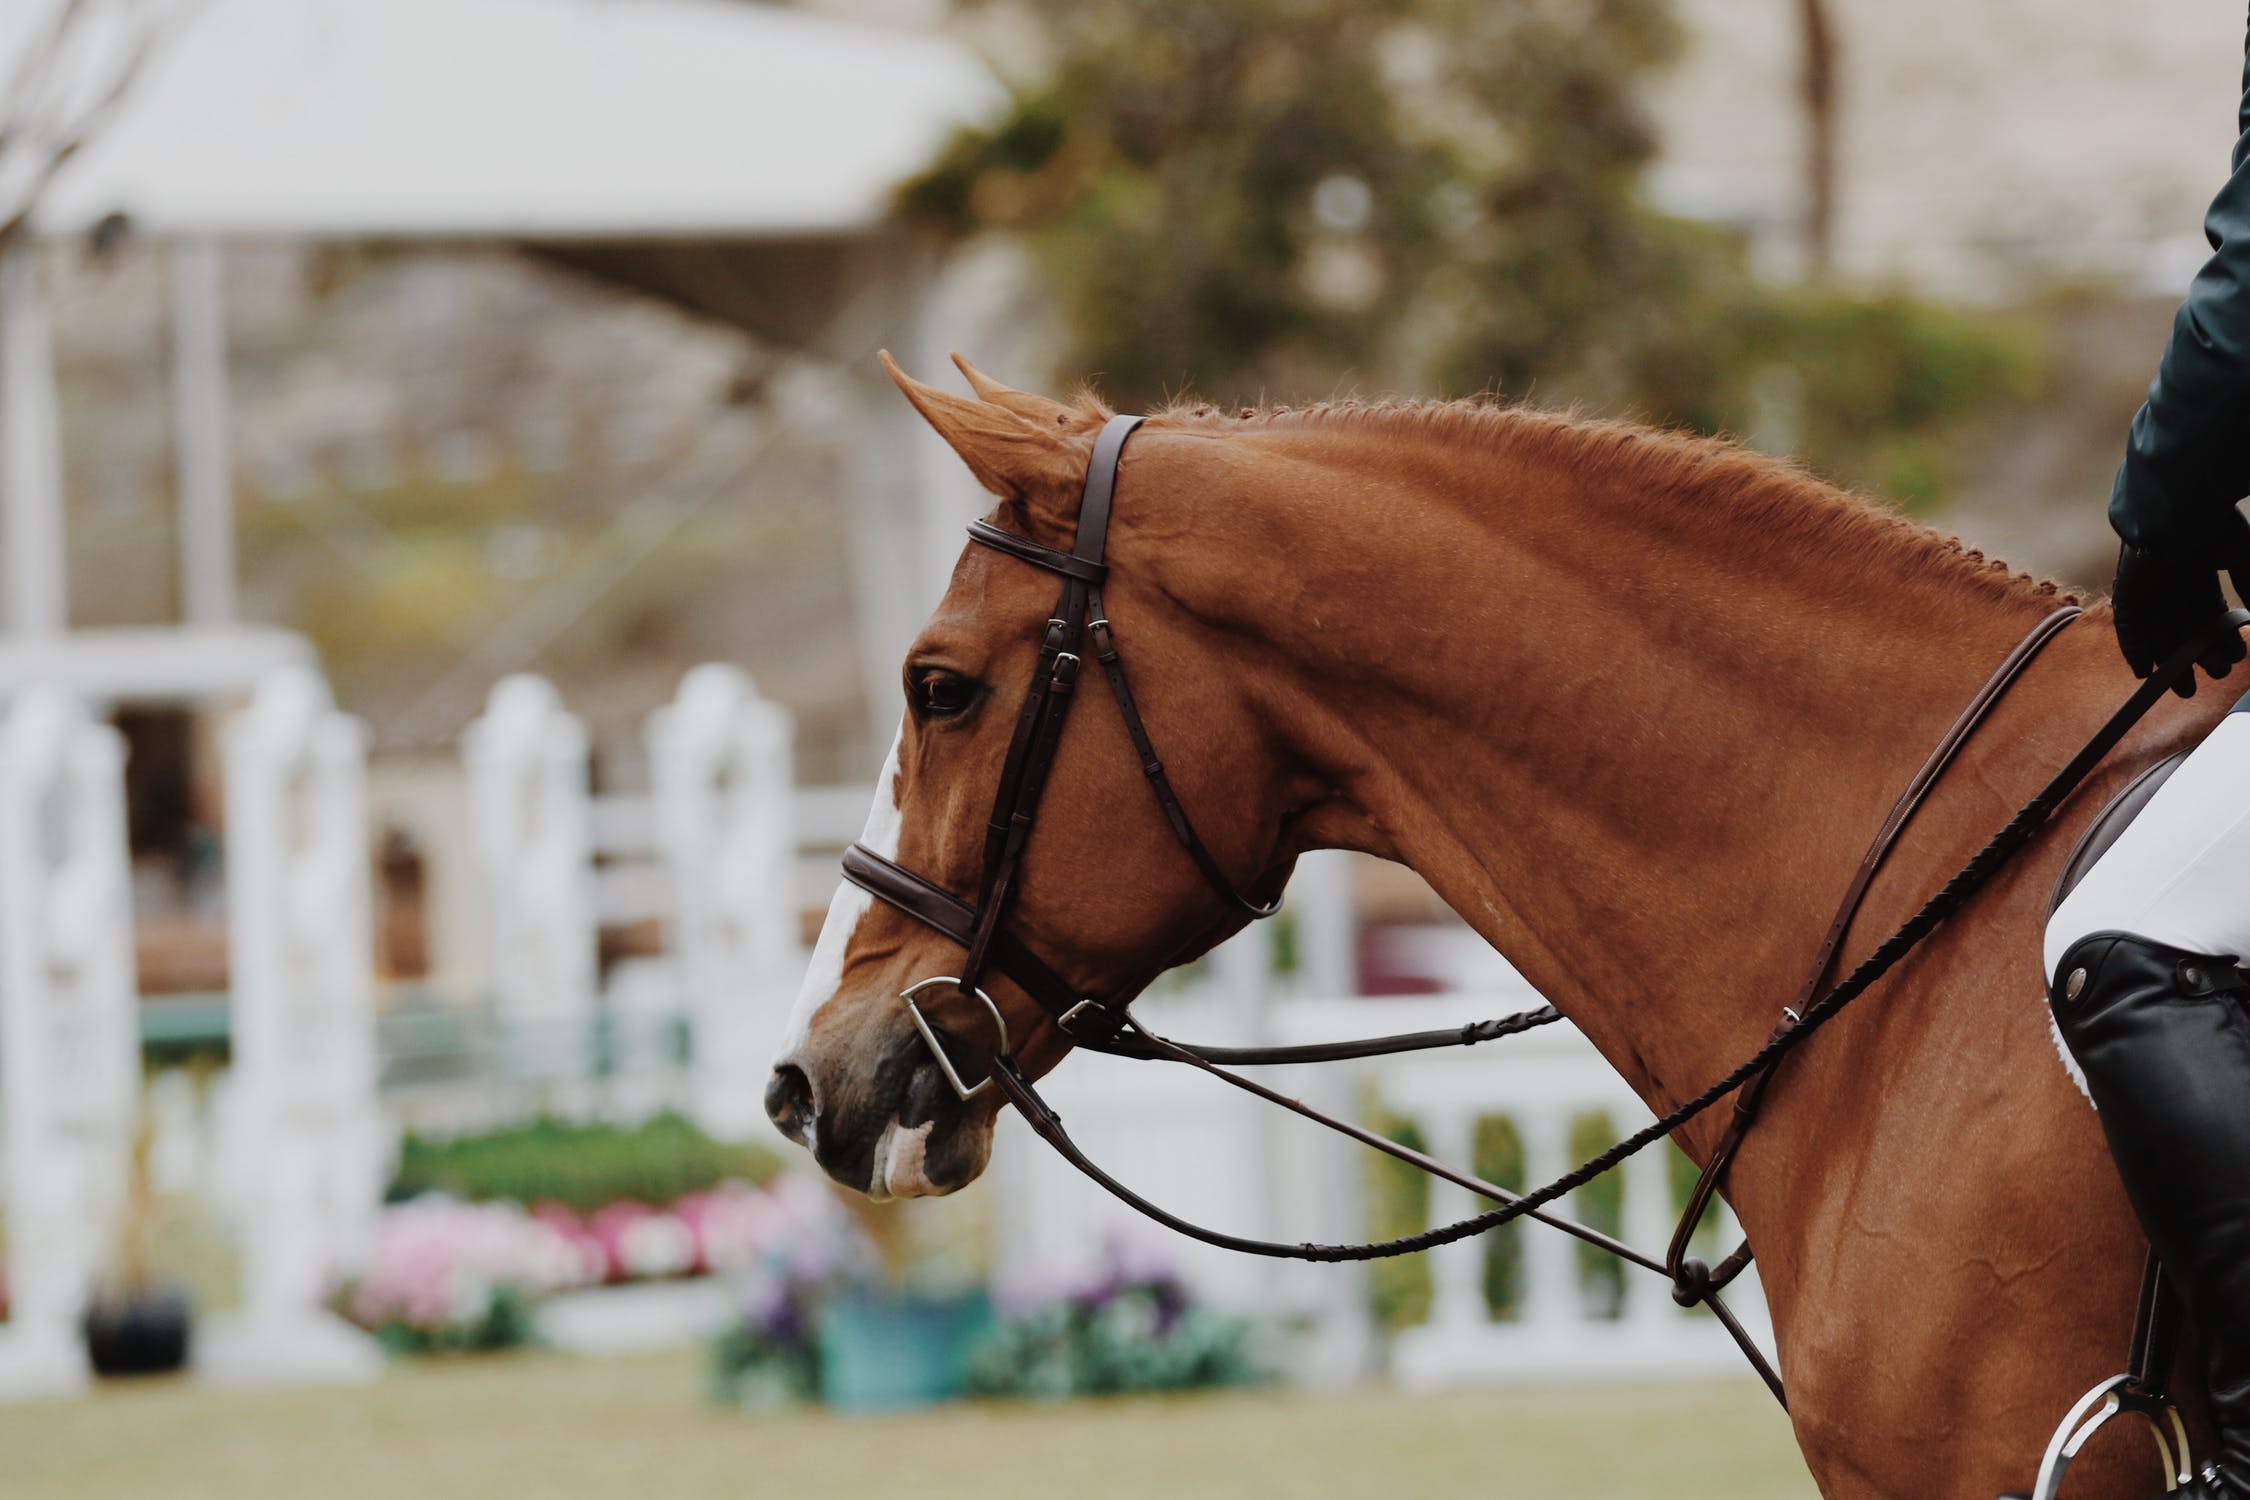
column 885, row 1352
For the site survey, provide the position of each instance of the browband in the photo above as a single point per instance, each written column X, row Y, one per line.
column 1038, row 554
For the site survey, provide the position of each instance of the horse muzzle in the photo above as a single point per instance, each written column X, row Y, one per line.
column 904, row 1128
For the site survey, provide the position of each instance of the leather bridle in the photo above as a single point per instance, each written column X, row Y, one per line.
column 1104, row 1025
column 1077, row 622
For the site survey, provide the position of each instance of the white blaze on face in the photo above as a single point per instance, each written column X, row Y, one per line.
column 826, row 971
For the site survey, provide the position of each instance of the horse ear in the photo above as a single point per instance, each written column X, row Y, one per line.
column 1016, row 459
column 1049, row 414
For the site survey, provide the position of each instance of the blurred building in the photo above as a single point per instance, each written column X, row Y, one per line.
column 460, row 339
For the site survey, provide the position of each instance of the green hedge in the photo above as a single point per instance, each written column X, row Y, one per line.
column 582, row 1166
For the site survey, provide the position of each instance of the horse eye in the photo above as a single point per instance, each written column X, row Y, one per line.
column 942, row 695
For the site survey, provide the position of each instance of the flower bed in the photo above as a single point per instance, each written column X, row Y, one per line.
column 817, row 1329
column 771, row 1356
column 1132, row 1326
column 450, row 1275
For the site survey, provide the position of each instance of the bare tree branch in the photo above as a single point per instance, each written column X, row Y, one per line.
column 37, row 115
column 40, row 62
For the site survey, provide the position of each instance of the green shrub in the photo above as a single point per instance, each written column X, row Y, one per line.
column 1497, row 1157
column 1600, row 1204
column 1398, row 1203
column 582, row 1166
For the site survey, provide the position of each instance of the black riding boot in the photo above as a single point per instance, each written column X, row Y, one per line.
column 2163, row 1037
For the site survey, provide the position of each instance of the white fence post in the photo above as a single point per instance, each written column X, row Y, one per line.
column 1648, row 1221
column 721, row 759
column 528, row 801
column 1549, row 1289
column 69, row 1033
column 307, row 1149
column 1327, row 927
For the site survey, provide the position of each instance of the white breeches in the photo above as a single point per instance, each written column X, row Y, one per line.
column 2180, row 875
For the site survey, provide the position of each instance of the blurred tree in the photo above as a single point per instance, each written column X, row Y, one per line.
column 1816, row 88
column 77, row 62
column 1279, row 199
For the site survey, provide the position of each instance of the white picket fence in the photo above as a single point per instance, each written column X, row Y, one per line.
column 295, row 1141
column 69, row 1045
column 1219, row 1157
column 303, row 1171
column 297, row 1144
column 1543, row 1083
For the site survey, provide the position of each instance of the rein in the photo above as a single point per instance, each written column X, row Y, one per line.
column 1104, row 1026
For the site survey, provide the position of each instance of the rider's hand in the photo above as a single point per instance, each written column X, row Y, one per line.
column 2165, row 600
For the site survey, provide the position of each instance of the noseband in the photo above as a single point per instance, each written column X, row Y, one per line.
column 1077, row 619
column 1104, row 1025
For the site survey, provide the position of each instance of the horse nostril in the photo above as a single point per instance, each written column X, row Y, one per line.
column 789, row 1103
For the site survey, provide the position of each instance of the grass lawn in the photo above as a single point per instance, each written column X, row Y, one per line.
column 556, row 1428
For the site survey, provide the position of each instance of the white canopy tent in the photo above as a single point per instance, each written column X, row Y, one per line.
column 519, row 119
column 734, row 157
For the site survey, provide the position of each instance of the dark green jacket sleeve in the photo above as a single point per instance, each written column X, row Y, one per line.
column 2189, row 457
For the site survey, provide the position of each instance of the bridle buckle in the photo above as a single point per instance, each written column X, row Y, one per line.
column 1109, row 1021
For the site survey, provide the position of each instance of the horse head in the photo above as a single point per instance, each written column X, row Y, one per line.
column 1101, row 890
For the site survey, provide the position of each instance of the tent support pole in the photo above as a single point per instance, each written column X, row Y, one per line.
column 31, row 512
column 204, row 447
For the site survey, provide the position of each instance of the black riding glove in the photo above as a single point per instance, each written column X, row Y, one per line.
column 2163, row 600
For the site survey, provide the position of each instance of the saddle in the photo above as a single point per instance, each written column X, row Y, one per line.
column 2110, row 824
column 2142, row 1390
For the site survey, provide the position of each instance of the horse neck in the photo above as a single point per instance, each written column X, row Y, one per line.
column 1634, row 715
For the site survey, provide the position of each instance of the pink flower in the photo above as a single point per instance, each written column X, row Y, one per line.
column 439, row 1262
column 727, row 1223
column 655, row 1246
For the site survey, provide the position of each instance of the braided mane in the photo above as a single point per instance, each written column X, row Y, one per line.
column 1785, row 504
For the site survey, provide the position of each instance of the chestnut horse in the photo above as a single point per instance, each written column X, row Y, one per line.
column 1633, row 704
